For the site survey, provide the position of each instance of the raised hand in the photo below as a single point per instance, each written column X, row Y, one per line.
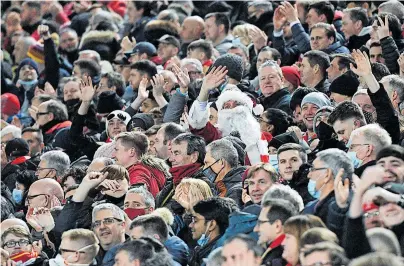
column 87, row 89
column 363, row 64
column 182, row 76
column 341, row 189
column 297, row 130
column 111, row 185
column 214, row 78
column 400, row 62
column 40, row 219
column 93, row 179
column 288, row 11
column 128, row 45
column 279, row 20
column 143, row 93
column 258, row 37
column 43, row 31
column 158, row 85
column 383, row 30
column 17, row 122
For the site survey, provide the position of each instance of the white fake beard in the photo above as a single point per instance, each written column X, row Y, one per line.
column 241, row 120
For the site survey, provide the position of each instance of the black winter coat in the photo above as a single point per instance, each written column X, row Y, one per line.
column 300, row 181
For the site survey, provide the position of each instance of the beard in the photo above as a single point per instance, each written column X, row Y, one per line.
column 241, row 120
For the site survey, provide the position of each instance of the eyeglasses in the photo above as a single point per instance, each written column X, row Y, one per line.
column 313, row 169
column 39, row 169
column 260, row 120
column 195, row 220
column 63, row 250
column 352, row 146
column 41, row 113
column 261, row 222
column 106, row 221
column 29, row 198
column 371, row 214
column 21, row 243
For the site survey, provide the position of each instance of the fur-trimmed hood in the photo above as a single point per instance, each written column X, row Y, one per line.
column 103, row 42
column 156, row 163
column 97, row 36
column 155, row 29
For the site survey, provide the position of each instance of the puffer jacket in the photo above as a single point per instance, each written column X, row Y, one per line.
column 177, row 249
column 391, row 50
column 230, row 186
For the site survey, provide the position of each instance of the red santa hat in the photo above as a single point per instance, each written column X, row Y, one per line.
column 234, row 94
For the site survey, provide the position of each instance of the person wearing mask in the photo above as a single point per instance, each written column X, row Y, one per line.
column 53, row 165
column 217, row 26
column 209, row 222
column 138, row 202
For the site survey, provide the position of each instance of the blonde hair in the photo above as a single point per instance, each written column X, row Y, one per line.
column 85, row 237
column 241, row 31
column 267, row 167
column 297, row 226
column 198, row 190
column 116, row 172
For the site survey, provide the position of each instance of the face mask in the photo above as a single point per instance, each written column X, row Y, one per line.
column 324, row 131
column 273, row 160
column 27, row 84
column 368, row 117
column 204, row 239
column 237, row 41
column 72, row 102
column 210, row 174
column 133, row 212
column 17, row 195
column 354, row 159
column 311, row 187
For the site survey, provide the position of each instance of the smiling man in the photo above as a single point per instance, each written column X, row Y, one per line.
column 259, row 179
column 391, row 158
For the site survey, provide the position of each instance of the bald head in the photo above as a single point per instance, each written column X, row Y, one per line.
column 21, row 48
column 12, row 222
column 52, row 193
column 192, row 28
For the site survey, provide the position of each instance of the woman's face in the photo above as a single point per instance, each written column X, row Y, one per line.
column 213, row 116
column 290, row 249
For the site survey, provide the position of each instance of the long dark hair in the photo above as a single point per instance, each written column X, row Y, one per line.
column 279, row 119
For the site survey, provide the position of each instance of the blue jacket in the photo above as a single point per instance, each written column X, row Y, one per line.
column 177, row 249
column 239, row 223
column 336, row 48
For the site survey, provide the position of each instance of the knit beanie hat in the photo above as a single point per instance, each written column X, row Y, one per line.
column 317, row 98
column 292, row 75
column 346, row 84
column 17, row 147
column 36, row 52
column 233, row 63
column 106, row 150
column 108, row 102
column 27, row 61
column 10, row 105
column 144, row 121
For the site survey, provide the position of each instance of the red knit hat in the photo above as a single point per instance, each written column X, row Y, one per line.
column 10, row 105
column 292, row 75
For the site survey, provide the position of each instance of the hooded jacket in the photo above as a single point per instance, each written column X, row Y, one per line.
column 356, row 41
column 150, row 171
column 103, row 42
column 230, row 186
column 177, row 249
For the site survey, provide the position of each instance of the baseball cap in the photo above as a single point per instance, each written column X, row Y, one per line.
column 170, row 40
column 143, row 47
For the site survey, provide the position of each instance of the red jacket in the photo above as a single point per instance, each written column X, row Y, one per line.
column 153, row 178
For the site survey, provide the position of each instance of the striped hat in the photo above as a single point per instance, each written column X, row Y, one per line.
column 36, row 53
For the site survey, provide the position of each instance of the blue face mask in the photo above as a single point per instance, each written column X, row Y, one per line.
column 221, row 88
column 27, row 84
column 311, row 187
column 204, row 239
column 354, row 159
column 17, row 195
column 273, row 160
column 210, row 174
column 237, row 41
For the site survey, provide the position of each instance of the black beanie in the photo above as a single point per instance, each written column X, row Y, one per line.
column 17, row 147
column 233, row 63
column 346, row 84
column 288, row 137
column 391, row 150
column 109, row 101
column 144, row 121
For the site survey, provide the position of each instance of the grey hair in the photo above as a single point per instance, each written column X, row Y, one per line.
column 266, row 6
column 58, row 110
column 335, row 159
column 383, row 240
column 278, row 191
column 15, row 131
column 375, row 135
column 117, row 212
column 96, row 55
column 57, row 160
column 146, row 195
column 223, row 149
column 192, row 61
column 214, row 258
column 273, row 64
column 396, row 83
column 393, row 7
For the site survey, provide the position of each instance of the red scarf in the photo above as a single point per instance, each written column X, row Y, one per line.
column 180, row 172
column 20, row 160
column 59, row 126
column 24, row 256
column 276, row 243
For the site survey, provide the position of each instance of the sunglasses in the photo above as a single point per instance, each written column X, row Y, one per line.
column 119, row 116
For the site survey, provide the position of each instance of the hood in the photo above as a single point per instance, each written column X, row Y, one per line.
column 235, row 175
column 177, row 249
column 365, row 30
column 183, row 171
column 97, row 36
column 155, row 29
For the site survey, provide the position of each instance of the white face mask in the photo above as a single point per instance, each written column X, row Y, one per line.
column 60, row 261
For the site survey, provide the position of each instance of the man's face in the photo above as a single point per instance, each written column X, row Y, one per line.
column 122, row 258
column 263, row 57
column 115, row 126
column 187, row 32
column 193, row 72
column 77, row 72
column 179, row 155
column 297, row 114
column 394, row 169
column 308, row 113
column 37, row 197
column 270, row 81
column 198, row 226
column 111, row 233
column 371, row 219
column 68, row 183
column 376, row 55
column 212, row 31
column 364, row 102
column 288, row 163
column 258, row 184
column 344, row 129
column 210, row 162
column 103, row 86
column 43, row 116
column 391, row 214
column 306, row 71
column 43, row 171
column 134, row 79
column 68, row 244
column 69, row 42
column 334, row 71
column 319, row 172
column 35, row 146
column 317, row 258
column 122, row 154
column 133, row 13
column 359, row 145
column 348, row 27
column 28, row 73
column 313, row 18
column 152, row 138
column 147, row 106
column 137, row 232
column 338, row 98
column 266, row 230
column 134, row 200
column 233, row 251
column 319, row 39
column 71, row 91
column 26, row 15
column 160, row 146
column 10, row 238
column 166, row 51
